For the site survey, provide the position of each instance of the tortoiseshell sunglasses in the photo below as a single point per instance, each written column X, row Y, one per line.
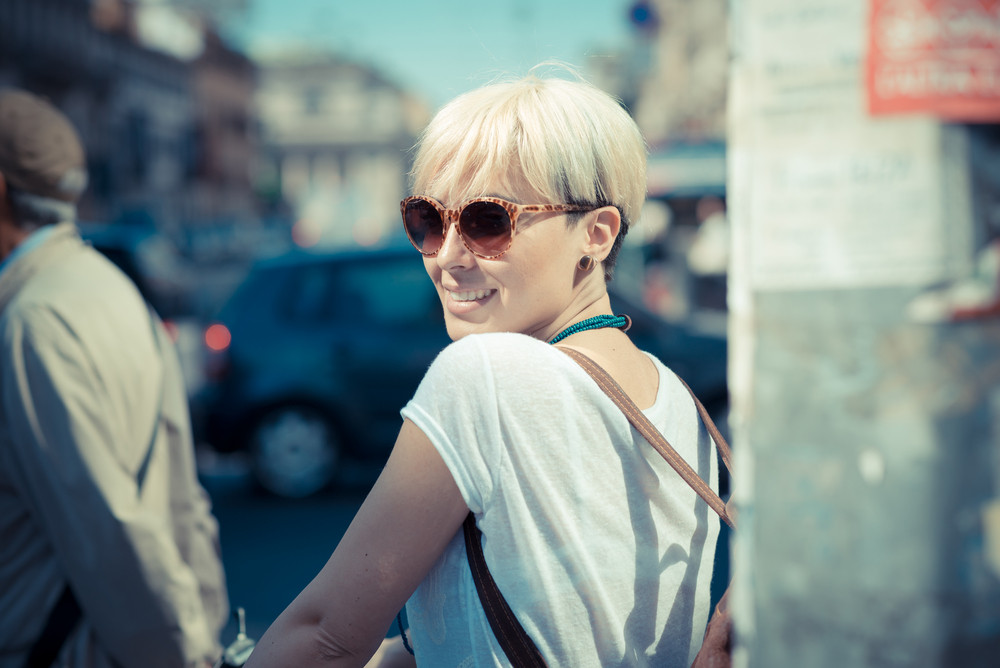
column 485, row 224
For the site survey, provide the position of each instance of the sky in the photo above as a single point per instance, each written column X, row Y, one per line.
column 440, row 48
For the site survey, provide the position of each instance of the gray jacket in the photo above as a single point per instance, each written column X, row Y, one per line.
column 82, row 383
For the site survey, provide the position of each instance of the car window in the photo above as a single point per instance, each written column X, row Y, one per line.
column 376, row 291
column 256, row 300
column 389, row 293
column 307, row 295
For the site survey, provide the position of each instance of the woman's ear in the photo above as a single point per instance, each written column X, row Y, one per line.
column 602, row 227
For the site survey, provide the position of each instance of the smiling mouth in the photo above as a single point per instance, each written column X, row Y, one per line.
column 470, row 295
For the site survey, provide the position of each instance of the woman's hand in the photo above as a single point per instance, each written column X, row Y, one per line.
column 400, row 531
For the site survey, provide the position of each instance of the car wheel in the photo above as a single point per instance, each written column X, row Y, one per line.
column 295, row 451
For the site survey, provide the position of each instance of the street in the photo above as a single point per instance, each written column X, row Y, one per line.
column 272, row 547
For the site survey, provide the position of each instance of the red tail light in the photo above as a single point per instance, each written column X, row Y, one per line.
column 217, row 340
column 217, row 337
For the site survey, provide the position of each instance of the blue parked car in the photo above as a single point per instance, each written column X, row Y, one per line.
column 314, row 355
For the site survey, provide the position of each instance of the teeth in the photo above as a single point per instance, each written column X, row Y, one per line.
column 470, row 295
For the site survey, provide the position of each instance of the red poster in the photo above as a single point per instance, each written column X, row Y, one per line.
column 935, row 56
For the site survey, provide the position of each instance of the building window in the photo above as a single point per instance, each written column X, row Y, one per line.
column 312, row 100
column 138, row 145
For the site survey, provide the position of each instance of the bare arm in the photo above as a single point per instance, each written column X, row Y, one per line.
column 392, row 654
column 409, row 517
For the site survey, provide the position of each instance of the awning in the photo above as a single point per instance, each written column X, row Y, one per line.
column 687, row 170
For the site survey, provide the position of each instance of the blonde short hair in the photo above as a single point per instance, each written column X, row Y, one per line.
column 566, row 140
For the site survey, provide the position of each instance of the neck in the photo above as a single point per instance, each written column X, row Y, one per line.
column 11, row 237
column 577, row 312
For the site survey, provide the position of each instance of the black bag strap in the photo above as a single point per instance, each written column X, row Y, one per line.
column 66, row 613
column 517, row 645
column 62, row 620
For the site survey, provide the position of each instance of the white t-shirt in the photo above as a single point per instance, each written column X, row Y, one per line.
column 602, row 551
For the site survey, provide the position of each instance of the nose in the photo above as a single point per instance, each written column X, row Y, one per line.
column 453, row 253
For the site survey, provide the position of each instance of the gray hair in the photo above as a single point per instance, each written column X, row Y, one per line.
column 33, row 211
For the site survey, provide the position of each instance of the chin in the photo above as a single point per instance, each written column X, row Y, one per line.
column 458, row 329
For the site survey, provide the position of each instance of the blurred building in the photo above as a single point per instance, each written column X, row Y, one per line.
column 679, row 100
column 678, row 84
column 164, row 114
column 336, row 138
column 683, row 94
column 225, row 86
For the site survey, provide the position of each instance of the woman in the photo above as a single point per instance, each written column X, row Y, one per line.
column 602, row 551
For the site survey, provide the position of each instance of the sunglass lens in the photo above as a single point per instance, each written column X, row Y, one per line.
column 486, row 228
column 423, row 225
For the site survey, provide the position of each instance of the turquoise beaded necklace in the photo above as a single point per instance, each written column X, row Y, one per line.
column 622, row 322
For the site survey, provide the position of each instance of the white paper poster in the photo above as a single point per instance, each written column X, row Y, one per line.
column 833, row 197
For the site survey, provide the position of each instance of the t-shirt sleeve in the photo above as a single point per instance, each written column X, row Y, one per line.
column 456, row 408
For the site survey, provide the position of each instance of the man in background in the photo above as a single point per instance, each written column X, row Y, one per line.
column 109, row 553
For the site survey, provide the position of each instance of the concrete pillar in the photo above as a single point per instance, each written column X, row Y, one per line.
column 865, row 359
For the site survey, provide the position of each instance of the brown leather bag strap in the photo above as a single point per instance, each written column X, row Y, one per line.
column 656, row 439
column 725, row 454
column 516, row 644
